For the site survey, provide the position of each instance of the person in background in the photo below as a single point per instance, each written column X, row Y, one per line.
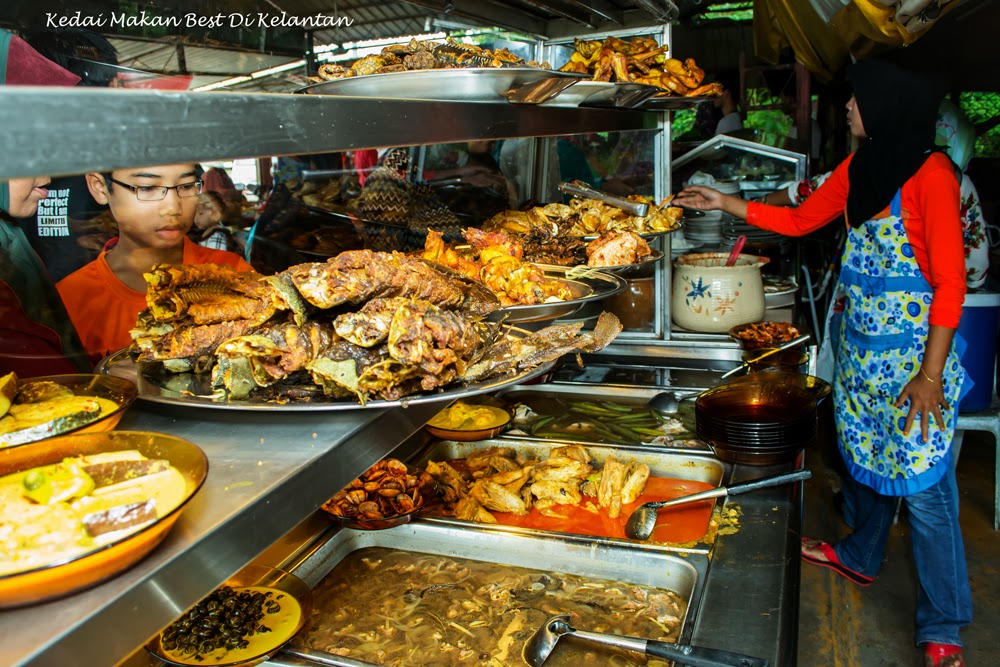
column 36, row 337
column 364, row 161
column 897, row 360
column 728, row 104
column 154, row 208
column 67, row 232
column 207, row 229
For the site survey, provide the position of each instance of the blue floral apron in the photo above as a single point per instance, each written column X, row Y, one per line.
column 879, row 350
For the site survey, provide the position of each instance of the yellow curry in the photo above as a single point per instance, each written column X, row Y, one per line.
column 466, row 417
column 56, row 512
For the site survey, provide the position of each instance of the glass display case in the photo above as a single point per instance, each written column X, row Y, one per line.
column 756, row 167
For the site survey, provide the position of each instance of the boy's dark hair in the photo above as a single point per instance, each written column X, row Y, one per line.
column 79, row 50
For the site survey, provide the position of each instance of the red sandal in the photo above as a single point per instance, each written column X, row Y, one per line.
column 833, row 562
column 943, row 655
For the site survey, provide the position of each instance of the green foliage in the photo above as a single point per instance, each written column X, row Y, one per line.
column 981, row 107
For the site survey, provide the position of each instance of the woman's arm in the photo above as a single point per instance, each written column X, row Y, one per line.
column 826, row 204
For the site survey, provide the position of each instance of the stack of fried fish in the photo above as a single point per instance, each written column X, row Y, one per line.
column 364, row 324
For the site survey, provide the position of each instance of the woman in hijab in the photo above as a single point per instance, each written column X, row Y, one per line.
column 897, row 358
column 36, row 336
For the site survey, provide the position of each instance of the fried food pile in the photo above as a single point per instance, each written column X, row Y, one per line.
column 640, row 60
column 588, row 217
column 502, row 480
column 363, row 324
column 426, row 55
column 494, row 259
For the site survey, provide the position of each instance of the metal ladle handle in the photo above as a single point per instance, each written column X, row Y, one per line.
column 693, row 656
column 784, row 346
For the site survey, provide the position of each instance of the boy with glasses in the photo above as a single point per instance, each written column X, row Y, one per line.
column 154, row 208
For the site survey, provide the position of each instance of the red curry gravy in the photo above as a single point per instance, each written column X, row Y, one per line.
column 686, row 523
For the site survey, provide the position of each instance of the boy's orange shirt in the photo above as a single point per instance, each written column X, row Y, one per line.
column 103, row 308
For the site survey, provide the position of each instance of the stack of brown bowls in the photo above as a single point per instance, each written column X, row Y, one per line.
column 760, row 419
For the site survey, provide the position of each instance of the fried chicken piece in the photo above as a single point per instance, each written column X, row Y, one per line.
column 469, row 509
column 635, row 482
column 609, row 492
column 561, row 469
column 617, row 249
column 558, row 492
column 492, row 496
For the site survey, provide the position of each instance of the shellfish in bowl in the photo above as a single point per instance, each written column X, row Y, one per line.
column 386, row 495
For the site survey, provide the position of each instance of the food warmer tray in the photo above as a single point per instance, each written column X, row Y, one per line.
column 626, row 395
column 587, row 286
column 589, row 93
column 518, row 85
column 671, row 102
column 684, row 576
column 190, row 390
column 675, row 465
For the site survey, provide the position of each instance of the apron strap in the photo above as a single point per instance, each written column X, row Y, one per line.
column 896, row 206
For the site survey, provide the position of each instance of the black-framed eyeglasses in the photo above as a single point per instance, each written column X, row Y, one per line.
column 158, row 192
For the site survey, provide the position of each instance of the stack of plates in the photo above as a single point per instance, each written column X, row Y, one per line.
column 705, row 228
column 680, row 244
column 733, row 228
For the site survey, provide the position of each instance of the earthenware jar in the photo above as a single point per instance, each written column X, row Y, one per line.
column 710, row 297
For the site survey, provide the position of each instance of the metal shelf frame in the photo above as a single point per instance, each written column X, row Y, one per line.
column 54, row 132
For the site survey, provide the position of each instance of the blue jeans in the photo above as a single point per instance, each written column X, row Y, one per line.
column 944, row 600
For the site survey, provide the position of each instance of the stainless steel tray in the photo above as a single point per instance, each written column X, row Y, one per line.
column 591, row 93
column 629, row 269
column 684, row 576
column 519, row 85
column 671, row 464
column 671, row 103
column 587, row 286
column 192, row 390
column 623, row 395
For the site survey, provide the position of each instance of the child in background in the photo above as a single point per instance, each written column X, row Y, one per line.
column 209, row 214
column 154, row 208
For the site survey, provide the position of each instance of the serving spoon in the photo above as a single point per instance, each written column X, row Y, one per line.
column 540, row 646
column 798, row 340
column 640, row 525
column 668, row 402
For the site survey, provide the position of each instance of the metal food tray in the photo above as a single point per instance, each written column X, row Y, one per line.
column 586, row 285
column 591, row 93
column 615, row 393
column 684, row 576
column 518, row 85
column 672, row 464
column 672, row 102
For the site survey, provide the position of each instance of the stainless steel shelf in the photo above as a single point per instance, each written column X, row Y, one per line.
column 54, row 132
column 267, row 472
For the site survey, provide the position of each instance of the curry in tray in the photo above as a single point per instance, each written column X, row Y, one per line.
column 57, row 512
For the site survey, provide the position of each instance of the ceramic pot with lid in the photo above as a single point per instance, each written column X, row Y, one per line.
column 711, row 297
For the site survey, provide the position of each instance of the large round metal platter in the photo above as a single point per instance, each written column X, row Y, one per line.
column 629, row 269
column 188, row 389
column 591, row 93
column 649, row 236
column 586, row 284
column 519, row 85
column 671, row 102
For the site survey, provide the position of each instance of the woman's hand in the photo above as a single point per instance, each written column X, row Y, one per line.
column 926, row 397
column 700, row 197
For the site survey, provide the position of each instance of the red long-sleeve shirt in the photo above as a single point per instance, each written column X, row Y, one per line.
column 930, row 204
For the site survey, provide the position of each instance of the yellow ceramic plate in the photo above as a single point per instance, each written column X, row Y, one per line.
column 119, row 390
column 62, row 577
column 296, row 606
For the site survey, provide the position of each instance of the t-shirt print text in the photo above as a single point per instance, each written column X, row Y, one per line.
column 52, row 214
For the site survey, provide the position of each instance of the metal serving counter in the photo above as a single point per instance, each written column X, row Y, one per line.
column 267, row 472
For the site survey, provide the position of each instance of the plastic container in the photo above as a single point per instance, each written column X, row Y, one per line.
column 979, row 326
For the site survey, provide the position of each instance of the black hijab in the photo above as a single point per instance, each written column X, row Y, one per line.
column 898, row 108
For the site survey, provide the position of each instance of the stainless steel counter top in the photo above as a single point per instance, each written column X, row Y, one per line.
column 267, row 472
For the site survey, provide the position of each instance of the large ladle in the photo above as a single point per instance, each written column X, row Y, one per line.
column 540, row 646
column 640, row 525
